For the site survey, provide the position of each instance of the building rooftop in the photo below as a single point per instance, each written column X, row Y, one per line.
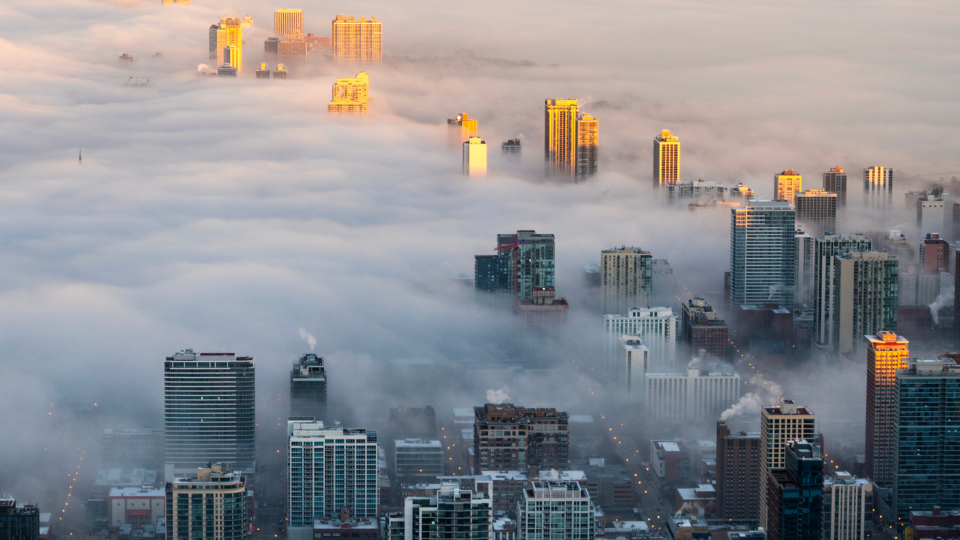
column 788, row 407
column 130, row 492
column 506, row 475
column 417, row 443
column 667, row 446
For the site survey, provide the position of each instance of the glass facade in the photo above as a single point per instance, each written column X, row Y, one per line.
column 762, row 253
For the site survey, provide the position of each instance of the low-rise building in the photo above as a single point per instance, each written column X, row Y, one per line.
column 346, row 527
column 135, row 506
column 418, row 457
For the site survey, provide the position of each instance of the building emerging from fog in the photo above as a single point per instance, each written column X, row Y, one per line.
column 817, row 211
column 887, row 352
column 288, row 21
column 350, row 95
column 786, row 185
column 524, row 262
column 357, row 41
column 835, row 181
column 626, row 277
column 462, row 508
column 569, row 137
column 656, row 326
column 635, row 360
column 865, row 297
column 129, row 448
column 666, row 159
column 308, row 387
column 824, row 251
column 702, row 328
column 459, row 129
column 209, row 504
column 509, row 438
column 702, row 392
column 878, row 185
column 475, row 157
column 327, row 469
column 762, row 261
column 223, row 35
column 588, row 146
column 209, row 411
column 779, row 424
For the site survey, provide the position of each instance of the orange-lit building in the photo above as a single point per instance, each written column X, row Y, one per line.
column 560, row 130
column 459, row 130
column 350, row 95
column 357, row 41
column 588, row 141
column 786, row 185
column 666, row 159
column 288, row 21
column 886, row 354
column 227, row 33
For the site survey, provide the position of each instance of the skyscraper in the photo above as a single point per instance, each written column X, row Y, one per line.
column 509, row 438
column 795, row 494
column 308, row 387
column 847, row 507
column 886, row 353
column 555, row 509
column 865, row 297
column 635, row 361
column 703, row 390
column 327, row 469
column 817, row 211
column 560, row 135
column 779, row 424
column 534, row 261
column 657, row 326
column 287, row 21
column 588, row 142
column 228, row 33
column 475, row 157
column 762, row 257
column 350, row 95
column 934, row 254
column 666, row 159
column 461, row 509
column 209, row 410
column 738, row 467
column 835, row 181
column 491, row 273
column 878, row 184
column 931, row 213
column 208, row 504
column 357, row 41
column 512, row 148
column 803, row 267
column 824, row 250
column 786, row 185
column 214, row 28
column 626, row 278
column 231, row 57
column 927, row 451
column 459, row 129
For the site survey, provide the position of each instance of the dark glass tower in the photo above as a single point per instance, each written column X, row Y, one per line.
column 308, row 388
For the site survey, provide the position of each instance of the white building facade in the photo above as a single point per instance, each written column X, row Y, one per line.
column 656, row 326
column 555, row 509
column 697, row 394
column 847, row 507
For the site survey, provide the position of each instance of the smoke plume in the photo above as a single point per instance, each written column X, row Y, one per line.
column 308, row 337
column 498, row 396
column 944, row 299
column 767, row 392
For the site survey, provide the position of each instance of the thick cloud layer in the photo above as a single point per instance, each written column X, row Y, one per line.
column 227, row 214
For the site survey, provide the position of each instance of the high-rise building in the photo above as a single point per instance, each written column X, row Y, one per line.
column 534, row 261
column 308, row 387
column 228, row 33
column 779, row 424
column 418, row 458
column 18, row 522
column 886, row 353
column 588, row 145
column 635, row 359
column 835, row 181
column 287, row 21
column 459, row 129
column 210, row 504
column 762, row 257
column 927, row 451
column 560, row 135
column 786, row 185
column 213, row 37
column 934, row 254
column 293, row 48
column 824, row 251
column 327, row 469
column 626, row 278
column 209, row 411
column 931, row 212
column 795, row 494
column 702, row 328
column 350, row 95
column 511, row 148
column 703, row 391
column 666, row 159
column 664, row 284
column 507, row 438
column 263, row 72
column 271, row 48
column 231, row 57
column 555, row 509
column 357, row 41
column 865, row 297
column 803, row 267
column 656, row 326
column 462, row 508
column 226, row 70
column 847, row 507
column 491, row 273
column 878, row 184
column 738, row 468
column 475, row 157
column 817, row 211
column 741, row 191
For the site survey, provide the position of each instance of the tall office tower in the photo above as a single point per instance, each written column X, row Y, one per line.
column 635, row 360
column 803, row 267
column 927, row 451
column 886, row 353
column 779, row 424
column 462, row 508
column 824, row 251
column 930, row 214
column 327, row 469
column 287, row 21
column 878, row 185
column 18, row 522
column 209, row 411
column 459, row 130
column 847, row 507
column 214, row 28
column 418, row 458
column 357, row 41
column 231, row 57
column 786, row 185
column 817, row 211
column 511, row 148
column 210, row 504
column 555, row 509
column 588, row 144
column 350, row 95
column 738, row 466
column 666, row 159
column 656, row 326
column 509, row 438
column 475, row 157
column 934, row 254
column 762, row 257
column 308, row 387
column 626, row 278
column 533, row 261
column 835, row 181
column 865, row 297
column 795, row 494
column 703, row 391
column 702, row 328
column 229, row 33
column 560, row 135
column 491, row 273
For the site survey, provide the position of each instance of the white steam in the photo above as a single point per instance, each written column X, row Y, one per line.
column 498, row 396
column 202, row 68
column 308, row 337
column 767, row 392
column 945, row 298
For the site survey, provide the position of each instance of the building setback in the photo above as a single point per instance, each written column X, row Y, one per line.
column 506, row 437
column 886, row 353
column 779, row 424
column 738, row 467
